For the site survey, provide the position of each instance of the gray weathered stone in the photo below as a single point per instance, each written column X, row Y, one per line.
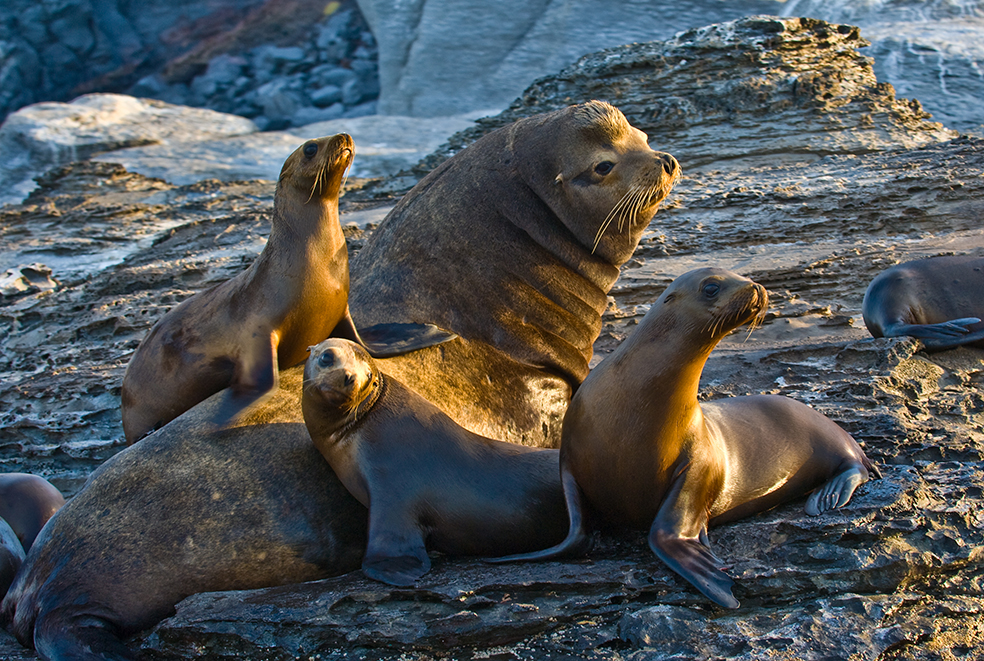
column 48, row 134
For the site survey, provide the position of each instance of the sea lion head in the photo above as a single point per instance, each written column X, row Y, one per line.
column 341, row 384
column 711, row 302
column 314, row 171
column 598, row 174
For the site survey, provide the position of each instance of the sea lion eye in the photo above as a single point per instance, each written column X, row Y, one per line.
column 711, row 289
column 310, row 149
column 604, row 168
column 327, row 359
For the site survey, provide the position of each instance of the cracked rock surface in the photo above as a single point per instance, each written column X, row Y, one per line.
column 897, row 574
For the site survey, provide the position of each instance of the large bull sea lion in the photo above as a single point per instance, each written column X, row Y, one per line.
column 513, row 244
column 640, row 450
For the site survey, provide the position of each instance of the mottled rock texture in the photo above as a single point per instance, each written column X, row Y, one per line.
column 895, row 575
column 929, row 50
column 48, row 134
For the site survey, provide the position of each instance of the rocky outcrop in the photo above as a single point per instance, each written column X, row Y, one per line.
column 929, row 51
column 753, row 90
column 48, row 134
column 896, row 575
column 282, row 62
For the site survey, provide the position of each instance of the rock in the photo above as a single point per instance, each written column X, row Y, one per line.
column 895, row 575
column 383, row 146
column 930, row 52
column 48, row 134
column 751, row 91
column 26, row 279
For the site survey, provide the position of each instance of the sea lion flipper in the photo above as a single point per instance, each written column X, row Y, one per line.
column 688, row 554
column 577, row 541
column 256, row 378
column 837, row 491
column 387, row 340
column 952, row 332
column 395, row 553
column 391, row 339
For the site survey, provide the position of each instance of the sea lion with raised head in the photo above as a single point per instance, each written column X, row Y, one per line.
column 513, row 244
column 188, row 509
column 640, row 450
column 939, row 300
column 239, row 333
column 428, row 483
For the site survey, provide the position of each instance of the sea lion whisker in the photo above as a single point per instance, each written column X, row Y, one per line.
column 608, row 219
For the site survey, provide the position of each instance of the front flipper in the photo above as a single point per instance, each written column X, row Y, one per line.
column 255, row 379
column 388, row 340
column 577, row 541
column 944, row 335
column 678, row 537
column 837, row 491
column 395, row 553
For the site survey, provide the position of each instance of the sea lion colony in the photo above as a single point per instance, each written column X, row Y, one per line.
column 562, row 199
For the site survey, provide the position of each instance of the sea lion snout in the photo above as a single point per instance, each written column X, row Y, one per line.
column 669, row 164
column 340, row 372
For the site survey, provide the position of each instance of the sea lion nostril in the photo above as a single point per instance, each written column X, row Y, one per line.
column 669, row 164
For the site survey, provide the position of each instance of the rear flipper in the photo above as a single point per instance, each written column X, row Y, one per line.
column 944, row 335
column 388, row 340
column 577, row 541
column 60, row 636
column 836, row 491
column 395, row 553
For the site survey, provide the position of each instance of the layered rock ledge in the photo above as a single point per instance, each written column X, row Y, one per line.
column 895, row 575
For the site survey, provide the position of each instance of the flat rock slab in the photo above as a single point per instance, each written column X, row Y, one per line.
column 44, row 135
column 384, row 146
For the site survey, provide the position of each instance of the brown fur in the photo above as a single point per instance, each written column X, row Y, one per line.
column 500, row 244
column 240, row 332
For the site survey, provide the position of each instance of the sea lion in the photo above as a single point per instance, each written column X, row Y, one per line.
column 939, row 300
column 428, row 483
column 640, row 450
column 513, row 244
column 238, row 333
column 11, row 555
column 188, row 509
column 26, row 503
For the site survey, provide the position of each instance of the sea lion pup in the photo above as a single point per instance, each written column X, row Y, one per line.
column 240, row 332
column 188, row 509
column 426, row 481
column 640, row 450
column 513, row 244
column 26, row 503
column 939, row 300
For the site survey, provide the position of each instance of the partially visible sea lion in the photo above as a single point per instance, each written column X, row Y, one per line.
column 427, row 482
column 11, row 555
column 513, row 244
column 188, row 509
column 939, row 300
column 240, row 332
column 640, row 450
column 26, row 503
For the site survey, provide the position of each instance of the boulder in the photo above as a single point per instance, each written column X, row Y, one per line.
column 38, row 137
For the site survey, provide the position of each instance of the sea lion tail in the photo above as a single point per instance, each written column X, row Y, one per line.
column 577, row 542
column 65, row 633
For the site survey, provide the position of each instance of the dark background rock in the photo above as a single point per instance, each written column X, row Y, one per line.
column 216, row 55
column 896, row 575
